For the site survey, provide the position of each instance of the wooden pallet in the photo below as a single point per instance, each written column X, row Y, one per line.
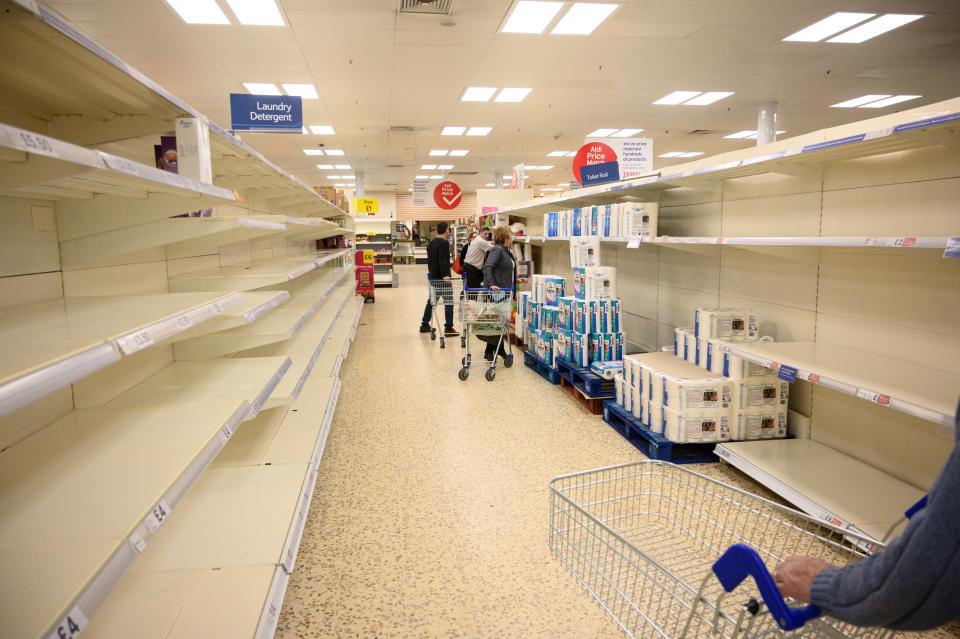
column 592, row 404
column 589, row 383
column 654, row 445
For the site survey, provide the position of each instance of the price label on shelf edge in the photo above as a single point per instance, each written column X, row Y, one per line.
column 873, row 396
column 33, row 143
column 70, row 626
column 157, row 516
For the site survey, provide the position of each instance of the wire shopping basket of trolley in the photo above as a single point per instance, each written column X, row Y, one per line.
column 442, row 294
column 485, row 312
column 672, row 554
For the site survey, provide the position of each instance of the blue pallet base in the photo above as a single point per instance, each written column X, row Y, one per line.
column 541, row 369
column 589, row 383
column 655, row 445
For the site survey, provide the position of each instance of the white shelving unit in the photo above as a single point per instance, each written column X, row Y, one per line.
column 248, row 278
column 49, row 345
column 889, row 242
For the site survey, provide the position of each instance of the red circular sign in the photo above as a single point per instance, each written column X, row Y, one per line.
column 592, row 153
column 447, row 195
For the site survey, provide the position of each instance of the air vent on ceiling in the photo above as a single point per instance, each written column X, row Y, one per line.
column 394, row 166
column 702, row 132
column 403, row 129
column 462, row 172
column 432, row 7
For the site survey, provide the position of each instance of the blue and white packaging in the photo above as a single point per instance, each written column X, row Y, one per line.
column 533, row 314
column 755, row 424
column 636, row 220
column 729, row 324
column 576, row 223
column 580, row 283
column 680, row 342
column 700, row 394
column 615, row 315
column 602, row 317
column 760, row 392
column 565, row 312
column 599, row 282
column 584, row 316
column 695, row 427
column 584, row 252
column 594, row 220
column 581, row 349
column 607, row 369
column 563, row 344
column 548, row 318
column 553, row 289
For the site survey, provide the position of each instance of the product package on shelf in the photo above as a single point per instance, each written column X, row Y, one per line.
column 636, row 220
column 769, row 423
column 523, row 301
column 607, row 369
column 691, row 349
column 680, row 341
column 576, row 223
column 584, row 252
column 760, row 392
column 563, row 344
column 544, row 347
column 594, row 283
column 553, row 289
column 584, row 316
column 730, row 324
column 694, row 427
column 548, row 317
column 565, row 312
column 702, row 394
column 580, row 345
column 533, row 314
column 730, row 365
column 618, row 385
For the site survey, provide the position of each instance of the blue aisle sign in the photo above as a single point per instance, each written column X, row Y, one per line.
column 271, row 113
column 600, row 173
column 953, row 247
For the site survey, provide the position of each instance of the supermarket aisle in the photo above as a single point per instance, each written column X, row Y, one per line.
column 430, row 516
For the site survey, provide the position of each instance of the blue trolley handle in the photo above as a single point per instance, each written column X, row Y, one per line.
column 741, row 561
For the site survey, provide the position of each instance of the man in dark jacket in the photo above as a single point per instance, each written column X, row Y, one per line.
column 914, row 584
column 438, row 268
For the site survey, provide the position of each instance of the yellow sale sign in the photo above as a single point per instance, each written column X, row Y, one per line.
column 368, row 205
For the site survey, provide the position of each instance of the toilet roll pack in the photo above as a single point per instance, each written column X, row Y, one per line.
column 607, row 369
column 593, row 283
column 694, row 427
column 730, row 324
column 563, row 344
column 759, row 424
column 584, row 252
column 708, row 393
column 548, row 317
column 565, row 312
column 624, row 219
column 760, row 392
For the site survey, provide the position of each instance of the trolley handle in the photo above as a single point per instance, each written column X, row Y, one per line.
column 488, row 290
column 741, row 561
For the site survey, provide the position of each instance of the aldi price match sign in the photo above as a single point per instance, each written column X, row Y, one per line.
column 611, row 159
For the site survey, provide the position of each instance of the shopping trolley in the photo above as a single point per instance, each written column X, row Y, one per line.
column 486, row 312
column 661, row 548
column 442, row 294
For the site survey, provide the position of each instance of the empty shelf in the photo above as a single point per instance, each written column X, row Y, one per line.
column 886, row 242
column 252, row 379
column 81, row 498
column 825, row 483
column 247, row 278
column 923, row 392
column 254, row 305
column 49, row 345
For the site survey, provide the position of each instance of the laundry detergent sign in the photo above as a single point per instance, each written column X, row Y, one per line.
column 447, row 195
column 272, row 113
column 596, row 163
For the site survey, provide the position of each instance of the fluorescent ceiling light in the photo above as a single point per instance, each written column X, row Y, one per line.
column 828, row 26
column 478, row 94
column 529, row 16
column 530, row 167
column 325, row 167
column 351, row 186
column 421, row 177
column 313, row 151
column 476, row 131
column 897, row 99
column 340, row 184
column 305, row 91
column 602, row 133
column 438, row 152
column 545, row 167
column 257, row 12
column 335, row 152
column 563, row 184
column 671, row 154
column 199, row 11
column 583, row 18
column 459, row 153
column 436, row 177
column 746, row 135
column 849, row 104
column 428, row 167
column 678, row 97
column 334, row 177
column 453, row 130
column 708, row 98
column 305, row 131
column 872, row 29
column 343, row 166
column 262, row 88
column 557, row 154
column 691, row 154
column 321, row 129
column 571, row 154
column 625, row 133
column 445, row 167
column 515, row 94
column 489, row 184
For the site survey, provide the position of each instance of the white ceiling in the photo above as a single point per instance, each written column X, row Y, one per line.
column 375, row 68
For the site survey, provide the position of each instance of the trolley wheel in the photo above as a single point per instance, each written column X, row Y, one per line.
column 491, row 373
column 508, row 361
column 463, row 374
column 443, row 343
column 433, row 334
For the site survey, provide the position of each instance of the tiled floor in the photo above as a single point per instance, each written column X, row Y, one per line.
column 430, row 514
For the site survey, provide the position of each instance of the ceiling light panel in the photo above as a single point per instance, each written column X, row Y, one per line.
column 459, row 153
column 325, row 167
column 321, row 129
column 625, row 133
column 865, row 99
column 828, row 26
column 262, row 88
column 530, row 167
column 305, row 91
column 340, row 185
column 421, row 177
column 513, row 94
column 708, row 98
column 490, row 184
column 478, row 94
column 746, row 135
column 438, row 152
column 691, row 154
column 571, row 154
column 428, row 167
column 313, row 152
column 557, row 154
column 872, row 29
column 545, row 167
column 199, row 11
column 453, row 130
column 671, row 154
column 530, row 16
column 436, row 177
column 335, row 152
column 602, row 133
column 479, row 131
column 333, row 177
column 678, row 97
column 583, row 17
column 896, row 99
column 343, row 167
column 257, row 12
column 445, row 167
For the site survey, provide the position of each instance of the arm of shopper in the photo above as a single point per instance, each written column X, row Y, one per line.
column 493, row 258
column 911, row 585
column 443, row 259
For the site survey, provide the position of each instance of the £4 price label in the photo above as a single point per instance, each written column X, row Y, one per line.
column 70, row 626
column 157, row 516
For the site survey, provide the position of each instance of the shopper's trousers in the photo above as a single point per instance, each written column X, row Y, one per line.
column 472, row 276
column 447, row 308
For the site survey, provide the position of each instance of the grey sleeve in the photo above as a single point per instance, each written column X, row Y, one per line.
column 493, row 257
column 914, row 584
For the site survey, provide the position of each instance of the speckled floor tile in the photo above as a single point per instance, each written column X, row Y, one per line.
column 430, row 517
